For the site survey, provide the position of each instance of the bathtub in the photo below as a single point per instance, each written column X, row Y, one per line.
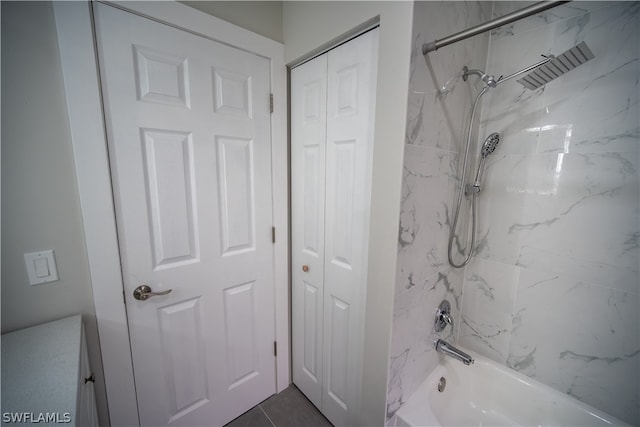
column 489, row 394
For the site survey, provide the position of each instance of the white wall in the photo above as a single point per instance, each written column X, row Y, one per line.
column 262, row 17
column 40, row 205
column 308, row 26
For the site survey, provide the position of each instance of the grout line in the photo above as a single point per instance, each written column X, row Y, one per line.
column 265, row 414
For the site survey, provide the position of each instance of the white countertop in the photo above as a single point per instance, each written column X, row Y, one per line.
column 40, row 368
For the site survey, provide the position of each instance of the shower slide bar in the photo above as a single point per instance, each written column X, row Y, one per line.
column 490, row 25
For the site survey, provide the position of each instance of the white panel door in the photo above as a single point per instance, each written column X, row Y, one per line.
column 332, row 117
column 308, row 144
column 188, row 126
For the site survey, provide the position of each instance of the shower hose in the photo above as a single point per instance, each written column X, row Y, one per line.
column 461, row 192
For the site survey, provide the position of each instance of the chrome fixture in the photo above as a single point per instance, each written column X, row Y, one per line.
column 486, row 78
column 444, row 347
column 488, row 147
column 467, row 190
column 554, row 67
column 491, row 82
column 143, row 292
column 539, row 74
column 443, row 316
column 490, row 25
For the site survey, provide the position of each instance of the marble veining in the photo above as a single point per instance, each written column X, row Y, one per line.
column 541, row 19
column 588, row 356
column 487, row 337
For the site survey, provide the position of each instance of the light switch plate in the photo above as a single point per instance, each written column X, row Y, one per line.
column 41, row 267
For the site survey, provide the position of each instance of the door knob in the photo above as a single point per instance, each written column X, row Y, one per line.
column 305, row 268
column 143, row 292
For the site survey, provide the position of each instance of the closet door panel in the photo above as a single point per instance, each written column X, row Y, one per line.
column 308, row 145
column 350, row 118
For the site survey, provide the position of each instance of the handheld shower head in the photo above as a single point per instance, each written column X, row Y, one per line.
column 490, row 144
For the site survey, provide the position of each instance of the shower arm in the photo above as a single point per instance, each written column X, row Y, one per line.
column 492, row 82
column 526, row 70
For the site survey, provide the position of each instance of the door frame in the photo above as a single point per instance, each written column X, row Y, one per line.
column 74, row 23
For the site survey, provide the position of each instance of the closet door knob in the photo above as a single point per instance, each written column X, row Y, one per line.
column 305, row 268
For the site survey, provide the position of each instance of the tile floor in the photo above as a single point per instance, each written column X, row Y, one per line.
column 290, row 408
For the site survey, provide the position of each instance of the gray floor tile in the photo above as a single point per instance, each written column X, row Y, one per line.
column 291, row 408
column 253, row 418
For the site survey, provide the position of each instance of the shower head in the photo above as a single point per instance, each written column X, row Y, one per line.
column 557, row 66
column 490, row 145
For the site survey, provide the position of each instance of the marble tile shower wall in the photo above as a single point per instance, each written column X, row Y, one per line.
column 554, row 290
column 437, row 116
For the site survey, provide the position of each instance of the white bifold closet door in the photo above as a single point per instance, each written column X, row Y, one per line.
column 332, row 116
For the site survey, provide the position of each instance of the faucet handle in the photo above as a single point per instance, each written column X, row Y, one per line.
column 443, row 316
column 447, row 318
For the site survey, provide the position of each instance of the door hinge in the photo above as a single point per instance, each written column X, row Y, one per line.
column 273, row 234
column 275, row 348
column 271, row 103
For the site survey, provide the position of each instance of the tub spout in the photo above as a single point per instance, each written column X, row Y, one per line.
column 444, row 347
